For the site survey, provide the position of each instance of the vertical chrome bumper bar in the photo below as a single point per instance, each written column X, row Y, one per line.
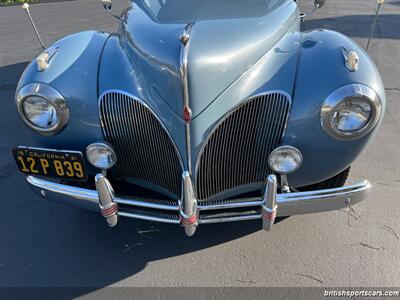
column 188, row 212
column 109, row 208
column 269, row 206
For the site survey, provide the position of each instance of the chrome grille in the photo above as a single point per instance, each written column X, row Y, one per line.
column 144, row 148
column 236, row 152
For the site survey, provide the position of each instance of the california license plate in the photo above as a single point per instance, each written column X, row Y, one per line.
column 50, row 163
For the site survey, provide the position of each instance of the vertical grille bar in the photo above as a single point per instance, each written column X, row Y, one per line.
column 236, row 152
column 144, row 149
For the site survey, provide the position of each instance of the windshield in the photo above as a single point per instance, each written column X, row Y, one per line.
column 168, row 11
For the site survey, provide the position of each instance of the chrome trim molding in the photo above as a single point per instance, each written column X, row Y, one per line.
column 355, row 90
column 185, row 40
column 147, row 218
column 50, row 94
column 287, row 204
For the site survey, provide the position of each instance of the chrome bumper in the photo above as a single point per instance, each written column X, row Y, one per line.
column 268, row 208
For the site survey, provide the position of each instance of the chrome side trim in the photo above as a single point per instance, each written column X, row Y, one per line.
column 355, row 90
column 185, row 40
column 50, row 94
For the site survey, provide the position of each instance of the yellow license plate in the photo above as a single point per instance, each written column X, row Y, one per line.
column 50, row 163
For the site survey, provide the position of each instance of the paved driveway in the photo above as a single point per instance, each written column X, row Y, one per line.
column 43, row 244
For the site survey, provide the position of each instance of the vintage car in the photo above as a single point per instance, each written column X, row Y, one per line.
column 199, row 112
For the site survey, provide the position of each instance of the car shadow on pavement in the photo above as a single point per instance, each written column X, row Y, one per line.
column 9, row 76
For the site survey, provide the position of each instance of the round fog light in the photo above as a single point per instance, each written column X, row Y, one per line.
column 101, row 155
column 285, row 159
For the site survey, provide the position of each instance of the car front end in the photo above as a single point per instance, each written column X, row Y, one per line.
column 198, row 118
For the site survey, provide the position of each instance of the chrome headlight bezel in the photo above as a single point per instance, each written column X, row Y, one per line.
column 51, row 95
column 345, row 93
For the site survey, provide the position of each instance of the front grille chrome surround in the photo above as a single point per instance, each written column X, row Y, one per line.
column 145, row 150
column 235, row 153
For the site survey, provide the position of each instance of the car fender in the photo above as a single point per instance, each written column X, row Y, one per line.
column 322, row 70
column 73, row 72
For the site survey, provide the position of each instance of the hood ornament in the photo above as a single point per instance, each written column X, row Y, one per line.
column 185, row 36
column 351, row 58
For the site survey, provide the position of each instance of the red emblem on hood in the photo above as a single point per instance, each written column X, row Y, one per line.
column 187, row 114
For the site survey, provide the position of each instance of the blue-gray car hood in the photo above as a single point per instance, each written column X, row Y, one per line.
column 224, row 43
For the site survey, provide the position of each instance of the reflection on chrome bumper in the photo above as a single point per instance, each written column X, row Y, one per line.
column 208, row 212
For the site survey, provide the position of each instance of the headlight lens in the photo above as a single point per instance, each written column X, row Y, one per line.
column 42, row 108
column 285, row 159
column 101, row 155
column 350, row 112
column 40, row 112
column 351, row 115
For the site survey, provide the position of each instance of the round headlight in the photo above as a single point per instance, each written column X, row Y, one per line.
column 101, row 155
column 40, row 112
column 42, row 108
column 350, row 112
column 285, row 159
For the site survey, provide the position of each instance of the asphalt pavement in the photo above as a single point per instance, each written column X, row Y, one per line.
column 44, row 244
